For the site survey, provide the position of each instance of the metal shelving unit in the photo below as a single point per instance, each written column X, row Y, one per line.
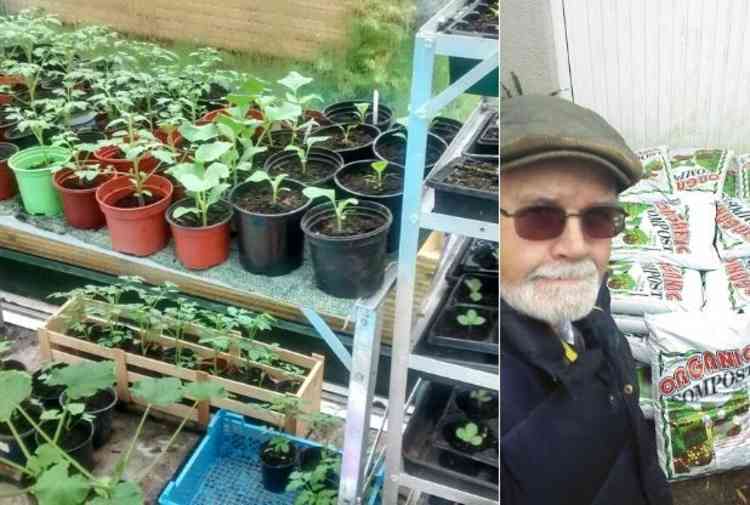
column 418, row 213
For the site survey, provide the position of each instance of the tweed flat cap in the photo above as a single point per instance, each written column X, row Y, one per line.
column 538, row 127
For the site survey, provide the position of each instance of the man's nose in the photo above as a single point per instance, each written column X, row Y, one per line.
column 573, row 243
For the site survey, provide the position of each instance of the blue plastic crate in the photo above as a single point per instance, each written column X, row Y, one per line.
column 225, row 468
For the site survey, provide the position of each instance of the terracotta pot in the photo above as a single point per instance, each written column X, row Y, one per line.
column 6, row 99
column 8, row 186
column 10, row 80
column 200, row 248
column 176, row 137
column 79, row 205
column 111, row 155
column 138, row 231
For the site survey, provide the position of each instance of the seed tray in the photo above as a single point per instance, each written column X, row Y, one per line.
column 467, row 263
column 480, row 146
column 488, row 345
column 462, row 201
column 422, row 459
column 458, row 25
column 453, row 414
column 489, row 290
column 225, row 468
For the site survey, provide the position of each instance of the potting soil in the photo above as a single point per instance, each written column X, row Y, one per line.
column 656, row 183
column 680, row 231
column 645, row 286
column 700, row 170
column 701, row 383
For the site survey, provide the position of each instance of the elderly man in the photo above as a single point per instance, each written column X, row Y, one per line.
column 572, row 430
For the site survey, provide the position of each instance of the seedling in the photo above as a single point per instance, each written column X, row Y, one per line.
column 304, row 154
column 314, row 485
column 184, row 314
column 470, row 318
column 318, row 422
column 341, row 208
column 203, row 183
column 469, row 433
column 481, row 396
column 293, row 82
column 475, row 289
column 275, row 182
column 84, row 172
column 360, row 116
column 278, row 446
column 379, row 168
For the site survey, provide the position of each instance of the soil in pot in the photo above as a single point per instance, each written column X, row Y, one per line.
column 353, row 225
column 344, row 112
column 101, row 406
column 270, row 239
column 276, row 467
column 360, row 136
column 476, row 409
column 76, row 441
column 475, row 174
column 321, row 165
column 392, row 147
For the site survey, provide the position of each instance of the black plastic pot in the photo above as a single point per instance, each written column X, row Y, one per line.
column 48, row 395
column 351, row 154
column 389, row 143
column 23, row 139
column 83, row 120
column 269, row 244
column 346, row 112
column 445, row 128
column 82, row 452
column 276, row 477
column 348, row 266
column 394, row 201
column 461, row 201
column 102, row 416
column 309, row 458
column 12, row 364
column 276, row 163
column 10, row 448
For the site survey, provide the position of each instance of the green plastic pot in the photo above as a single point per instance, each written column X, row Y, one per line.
column 35, row 184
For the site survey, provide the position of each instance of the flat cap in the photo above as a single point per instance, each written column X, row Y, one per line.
column 538, row 127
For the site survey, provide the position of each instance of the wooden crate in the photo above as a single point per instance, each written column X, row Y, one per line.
column 56, row 346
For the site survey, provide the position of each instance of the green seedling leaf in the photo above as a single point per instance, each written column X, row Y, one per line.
column 294, row 81
column 204, row 391
column 198, row 133
column 314, row 193
column 83, row 379
column 125, row 493
column 481, row 395
column 211, row 152
column 183, row 211
column 475, row 287
column 45, row 456
column 470, row 318
column 164, row 391
column 57, row 487
column 76, row 409
column 469, row 433
column 15, row 387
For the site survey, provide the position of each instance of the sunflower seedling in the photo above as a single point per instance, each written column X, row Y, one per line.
column 339, row 207
column 475, row 289
column 275, row 182
column 470, row 434
column 470, row 318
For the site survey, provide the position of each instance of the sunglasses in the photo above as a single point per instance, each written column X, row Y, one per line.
column 545, row 222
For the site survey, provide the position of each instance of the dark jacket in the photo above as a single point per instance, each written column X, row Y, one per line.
column 573, row 434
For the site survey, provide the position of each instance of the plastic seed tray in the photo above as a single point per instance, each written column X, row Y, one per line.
column 489, row 332
column 225, row 468
column 459, row 200
column 475, row 257
column 460, row 25
column 482, row 145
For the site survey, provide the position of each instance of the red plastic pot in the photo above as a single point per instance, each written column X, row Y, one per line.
column 8, row 187
column 164, row 138
column 112, row 155
column 79, row 205
column 6, row 99
column 210, row 117
column 138, row 231
column 200, row 248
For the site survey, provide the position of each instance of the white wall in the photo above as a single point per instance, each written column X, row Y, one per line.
column 527, row 45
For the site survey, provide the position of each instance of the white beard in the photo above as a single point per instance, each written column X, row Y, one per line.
column 554, row 304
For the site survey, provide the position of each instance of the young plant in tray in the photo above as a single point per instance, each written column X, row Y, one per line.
column 56, row 477
column 474, row 286
column 184, row 314
column 470, row 319
column 470, row 434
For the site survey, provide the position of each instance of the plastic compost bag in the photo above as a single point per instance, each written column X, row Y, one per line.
column 641, row 286
column 742, row 181
column 635, row 325
column 701, row 387
column 700, row 169
column 728, row 288
column 732, row 228
column 679, row 231
column 639, row 348
column 656, row 183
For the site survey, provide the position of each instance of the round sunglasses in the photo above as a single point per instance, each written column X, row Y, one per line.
column 545, row 222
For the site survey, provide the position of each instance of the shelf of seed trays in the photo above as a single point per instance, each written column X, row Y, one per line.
column 679, row 281
column 449, row 448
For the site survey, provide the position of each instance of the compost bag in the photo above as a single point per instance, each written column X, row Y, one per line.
column 728, row 288
column 732, row 228
column 656, row 182
column 700, row 170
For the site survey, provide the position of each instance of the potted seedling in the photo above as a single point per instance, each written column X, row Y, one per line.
column 184, row 314
column 269, row 211
column 354, row 110
column 293, row 82
column 353, row 140
column 57, row 478
column 7, row 363
column 376, row 181
column 313, row 166
column 467, row 327
column 317, row 484
column 76, row 182
column 478, row 404
column 348, row 243
column 134, row 206
column 468, row 437
column 476, row 290
column 274, row 115
column 89, row 384
column 200, row 223
column 33, row 166
column 391, row 146
column 277, row 459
